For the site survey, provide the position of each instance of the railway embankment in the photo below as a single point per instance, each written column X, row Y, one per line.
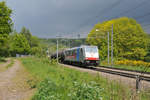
column 67, row 82
column 123, row 77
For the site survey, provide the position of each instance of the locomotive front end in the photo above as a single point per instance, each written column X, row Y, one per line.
column 91, row 55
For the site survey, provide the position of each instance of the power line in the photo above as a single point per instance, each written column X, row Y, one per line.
column 132, row 9
column 115, row 4
column 145, row 15
column 145, row 25
column 127, row 11
column 110, row 7
column 148, row 26
column 142, row 16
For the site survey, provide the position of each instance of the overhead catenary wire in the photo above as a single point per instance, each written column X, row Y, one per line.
column 131, row 9
column 102, row 12
column 127, row 11
column 145, row 15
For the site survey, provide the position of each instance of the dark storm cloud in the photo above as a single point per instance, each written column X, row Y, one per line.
column 48, row 18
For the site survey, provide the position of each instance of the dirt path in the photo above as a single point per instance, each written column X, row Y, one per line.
column 10, row 87
column 3, row 65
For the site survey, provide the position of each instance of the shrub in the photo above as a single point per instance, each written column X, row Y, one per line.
column 84, row 91
column 147, row 59
column 133, row 63
column 48, row 90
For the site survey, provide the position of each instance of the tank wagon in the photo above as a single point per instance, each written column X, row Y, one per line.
column 83, row 55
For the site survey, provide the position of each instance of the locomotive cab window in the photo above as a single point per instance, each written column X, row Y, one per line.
column 91, row 49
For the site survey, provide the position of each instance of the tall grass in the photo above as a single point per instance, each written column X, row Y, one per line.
column 55, row 82
column 5, row 67
column 11, row 63
column 130, row 66
column 2, row 60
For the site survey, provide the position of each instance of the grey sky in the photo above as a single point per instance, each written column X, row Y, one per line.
column 48, row 18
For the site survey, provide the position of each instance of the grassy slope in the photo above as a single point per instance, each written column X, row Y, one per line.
column 2, row 60
column 138, row 68
column 65, row 77
column 4, row 68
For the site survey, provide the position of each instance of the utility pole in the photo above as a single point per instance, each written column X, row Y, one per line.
column 108, row 48
column 69, row 42
column 57, row 47
column 57, row 50
column 78, row 36
column 112, row 46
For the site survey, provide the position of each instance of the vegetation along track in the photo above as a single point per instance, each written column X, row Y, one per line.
column 121, row 72
column 122, row 69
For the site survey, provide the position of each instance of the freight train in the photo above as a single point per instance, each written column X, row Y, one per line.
column 83, row 55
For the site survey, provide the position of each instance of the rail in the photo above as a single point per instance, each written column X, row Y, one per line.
column 122, row 69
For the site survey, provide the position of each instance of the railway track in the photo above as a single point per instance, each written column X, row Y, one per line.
column 121, row 69
column 125, row 73
column 145, row 76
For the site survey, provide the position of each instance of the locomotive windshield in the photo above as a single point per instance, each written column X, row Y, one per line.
column 91, row 49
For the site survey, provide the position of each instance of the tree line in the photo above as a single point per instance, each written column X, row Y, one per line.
column 12, row 42
column 129, row 39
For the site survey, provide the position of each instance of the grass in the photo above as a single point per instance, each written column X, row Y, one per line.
column 138, row 68
column 20, row 83
column 55, row 82
column 11, row 63
column 4, row 68
column 2, row 60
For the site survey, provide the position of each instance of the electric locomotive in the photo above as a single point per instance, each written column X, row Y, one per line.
column 83, row 55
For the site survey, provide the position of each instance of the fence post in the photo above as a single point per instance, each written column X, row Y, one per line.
column 138, row 83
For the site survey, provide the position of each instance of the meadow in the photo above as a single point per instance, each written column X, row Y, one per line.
column 129, row 64
column 56, row 82
column 3, row 61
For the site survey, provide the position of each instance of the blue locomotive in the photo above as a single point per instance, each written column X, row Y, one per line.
column 83, row 55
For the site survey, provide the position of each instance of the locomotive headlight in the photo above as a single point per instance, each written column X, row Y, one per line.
column 97, row 61
column 88, row 61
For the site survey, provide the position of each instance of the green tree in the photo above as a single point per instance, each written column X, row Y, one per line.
column 34, row 41
column 147, row 57
column 19, row 45
column 26, row 32
column 130, row 40
column 5, row 28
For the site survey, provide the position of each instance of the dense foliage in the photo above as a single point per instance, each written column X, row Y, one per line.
column 19, row 45
column 49, row 90
column 5, row 28
column 61, row 83
column 130, row 40
column 24, row 43
column 133, row 63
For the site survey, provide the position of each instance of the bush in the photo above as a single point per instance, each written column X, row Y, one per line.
column 48, row 90
column 84, row 91
column 48, row 61
column 147, row 59
column 132, row 63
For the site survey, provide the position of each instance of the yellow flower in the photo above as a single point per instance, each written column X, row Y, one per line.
column 132, row 63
